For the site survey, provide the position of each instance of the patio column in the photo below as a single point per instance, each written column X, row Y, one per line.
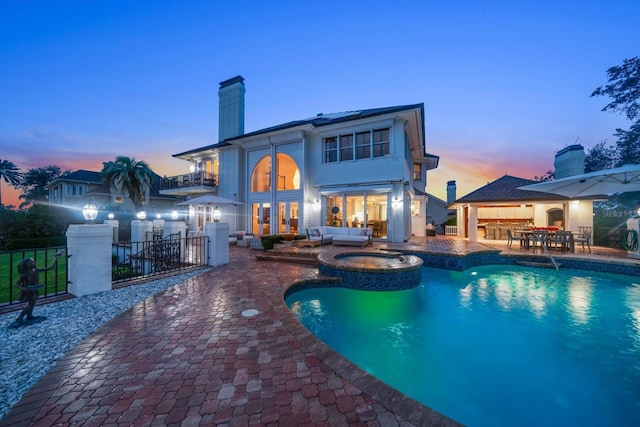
column 218, row 247
column 89, row 258
column 473, row 223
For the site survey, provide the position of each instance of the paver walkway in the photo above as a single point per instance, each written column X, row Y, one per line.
column 189, row 357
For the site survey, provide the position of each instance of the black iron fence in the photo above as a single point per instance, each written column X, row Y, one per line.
column 159, row 255
column 54, row 280
column 609, row 237
column 129, row 261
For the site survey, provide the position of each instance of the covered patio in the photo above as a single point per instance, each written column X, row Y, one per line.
column 487, row 213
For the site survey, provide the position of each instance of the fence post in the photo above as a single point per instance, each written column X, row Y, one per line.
column 89, row 261
column 115, row 224
column 218, row 248
column 139, row 230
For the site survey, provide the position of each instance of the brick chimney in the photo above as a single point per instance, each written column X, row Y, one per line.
column 231, row 108
column 451, row 191
column 569, row 161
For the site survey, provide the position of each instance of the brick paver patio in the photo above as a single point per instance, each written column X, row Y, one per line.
column 189, row 357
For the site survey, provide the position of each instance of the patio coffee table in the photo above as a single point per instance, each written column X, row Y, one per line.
column 308, row 243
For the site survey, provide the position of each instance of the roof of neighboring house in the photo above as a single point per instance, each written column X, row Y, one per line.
column 80, row 175
column 505, row 189
column 317, row 121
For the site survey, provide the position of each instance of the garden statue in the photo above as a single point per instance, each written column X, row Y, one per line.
column 29, row 285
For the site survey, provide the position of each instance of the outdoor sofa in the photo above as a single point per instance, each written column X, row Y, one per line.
column 348, row 236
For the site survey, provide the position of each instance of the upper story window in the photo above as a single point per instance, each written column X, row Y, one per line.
column 331, row 149
column 417, row 172
column 261, row 176
column 363, row 145
column 358, row 145
column 346, row 147
column 380, row 142
column 74, row 190
column 287, row 174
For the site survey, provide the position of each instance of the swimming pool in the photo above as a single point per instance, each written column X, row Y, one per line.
column 495, row 345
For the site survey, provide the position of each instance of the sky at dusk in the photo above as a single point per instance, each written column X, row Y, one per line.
column 505, row 84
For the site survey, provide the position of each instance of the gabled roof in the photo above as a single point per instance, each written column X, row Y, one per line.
column 316, row 121
column 81, row 175
column 505, row 189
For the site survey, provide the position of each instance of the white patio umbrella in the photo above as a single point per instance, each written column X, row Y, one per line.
column 209, row 199
column 624, row 179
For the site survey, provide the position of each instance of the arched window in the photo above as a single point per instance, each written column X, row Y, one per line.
column 288, row 173
column 261, row 175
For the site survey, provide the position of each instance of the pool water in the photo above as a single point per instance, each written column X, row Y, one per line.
column 495, row 345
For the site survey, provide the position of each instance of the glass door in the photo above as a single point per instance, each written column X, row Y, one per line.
column 261, row 218
column 377, row 211
column 355, row 211
column 288, row 217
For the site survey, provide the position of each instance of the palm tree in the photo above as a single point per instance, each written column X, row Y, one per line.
column 10, row 173
column 128, row 176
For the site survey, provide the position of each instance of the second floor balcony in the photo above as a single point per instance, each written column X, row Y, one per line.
column 189, row 183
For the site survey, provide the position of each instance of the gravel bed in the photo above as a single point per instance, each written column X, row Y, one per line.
column 27, row 353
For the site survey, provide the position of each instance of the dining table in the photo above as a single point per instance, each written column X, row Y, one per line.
column 551, row 233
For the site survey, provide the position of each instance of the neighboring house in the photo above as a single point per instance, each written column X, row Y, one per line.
column 438, row 213
column 362, row 168
column 79, row 187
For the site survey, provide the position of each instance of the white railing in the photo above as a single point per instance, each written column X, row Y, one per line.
column 451, row 230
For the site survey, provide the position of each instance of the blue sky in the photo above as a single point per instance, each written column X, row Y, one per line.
column 505, row 84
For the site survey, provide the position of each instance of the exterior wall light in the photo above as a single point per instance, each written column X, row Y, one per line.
column 217, row 214
column 111, row 215
column 174, row 215
column 142, row 215
column 158, row 216
column 90, row 212
column 395, row 202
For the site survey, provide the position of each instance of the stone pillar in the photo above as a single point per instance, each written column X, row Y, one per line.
column 89, row 260
column 115, row 225
column 139, row 230
column 218, row 248
column 158, row 223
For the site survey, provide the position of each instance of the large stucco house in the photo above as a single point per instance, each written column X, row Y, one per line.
column 365, row 168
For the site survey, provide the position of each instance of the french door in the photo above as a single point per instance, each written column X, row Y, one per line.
column 261, row 218
column 288, row 217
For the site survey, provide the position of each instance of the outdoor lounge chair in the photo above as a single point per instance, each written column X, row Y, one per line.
column 511, row 238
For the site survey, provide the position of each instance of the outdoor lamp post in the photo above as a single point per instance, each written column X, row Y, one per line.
column 142, row 215
column 90, row 212
column 217, row 214
column 174, row 215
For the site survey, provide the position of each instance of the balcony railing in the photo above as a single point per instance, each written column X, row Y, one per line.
column 196, row 179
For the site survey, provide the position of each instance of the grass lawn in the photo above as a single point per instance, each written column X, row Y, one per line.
column 44, row 257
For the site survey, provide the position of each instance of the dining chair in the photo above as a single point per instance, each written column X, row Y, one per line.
column 560, row 240
column 585, row 237
column 511, row 238
column 541, row 237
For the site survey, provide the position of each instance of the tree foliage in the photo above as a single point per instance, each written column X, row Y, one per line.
column 548, row 176
column 130, row 177
column 623, row 88
column 600, row 156
column 10, row 174
column 35, row 181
